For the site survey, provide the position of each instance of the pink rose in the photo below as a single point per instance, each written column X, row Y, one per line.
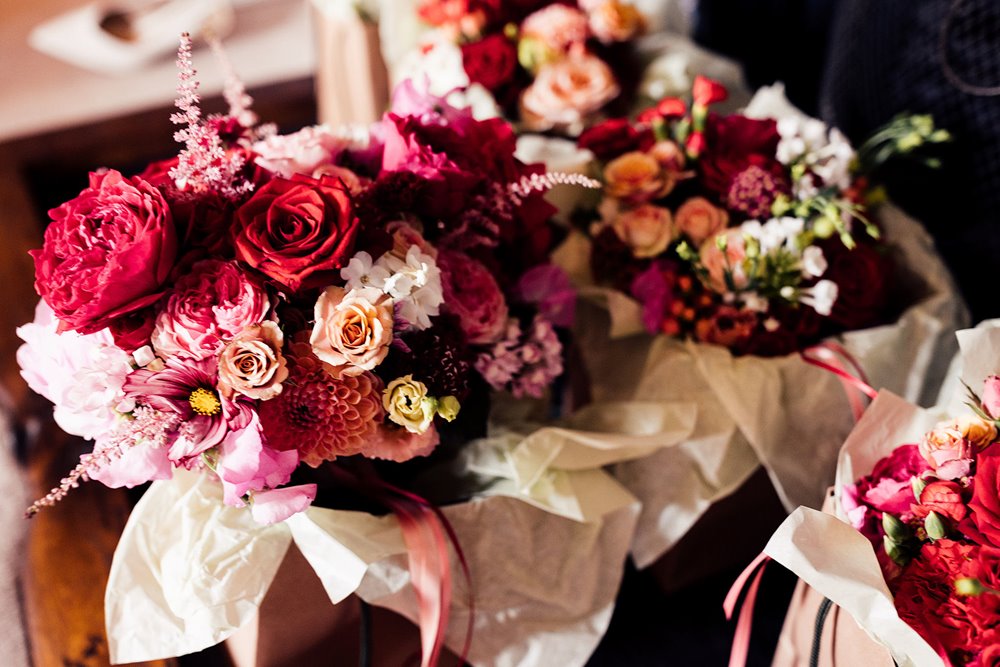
column 647, row 230
column 721, row 263
column 206, row 308
column 251, row 363
column 566, row 93
column 106, row 253
column 991, row 396
column 301, row 152
column 556, row 26
column 951, row 445
column 698, row 219
column 471, row 293
column 353, row 329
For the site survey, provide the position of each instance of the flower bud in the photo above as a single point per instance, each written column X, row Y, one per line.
column 934, row 526
column 969, row 586
column 895, row 529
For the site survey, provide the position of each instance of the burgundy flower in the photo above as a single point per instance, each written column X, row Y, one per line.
column 299, row 231
column 491, row 61
column 188, row 389
column 614, row 137
column 863, row 276
column 106, row 253
column 734, row 143
column 887, row 489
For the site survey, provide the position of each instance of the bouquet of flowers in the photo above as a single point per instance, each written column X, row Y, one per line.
column 259, row 322
column 720, row 248
column 915, row 531
column 551, row 65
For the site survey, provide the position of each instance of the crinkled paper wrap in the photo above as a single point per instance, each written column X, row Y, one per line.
column 838, row 561
column 781, row 412
column 546, row 543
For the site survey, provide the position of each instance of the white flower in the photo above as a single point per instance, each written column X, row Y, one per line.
column 300, row 152
column 414, row 283
column 361, row 272
column 81, row 374
column 754, row 301
column 820, row 296
column 813, row 262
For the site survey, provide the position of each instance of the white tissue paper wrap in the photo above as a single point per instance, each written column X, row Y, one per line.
column 780, row 412
column 546, row 542
column 838, row 561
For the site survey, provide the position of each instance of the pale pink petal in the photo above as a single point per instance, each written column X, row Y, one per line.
column 277, row 505
column 397, row 444
column 137, row 465
column 991, row 396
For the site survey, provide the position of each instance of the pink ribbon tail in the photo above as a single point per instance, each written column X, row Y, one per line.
column 834, row 358
column 425, row 528
column 744, row 625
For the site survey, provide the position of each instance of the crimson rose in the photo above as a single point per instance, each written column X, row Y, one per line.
column 614, row 137
column 985, row 504
column 490, row 61
column 299, row 231
column 862, row 276
column 106, row 253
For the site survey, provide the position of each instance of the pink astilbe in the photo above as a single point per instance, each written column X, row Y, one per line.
column 233, row 91
column 147, row 426
column 204, row 165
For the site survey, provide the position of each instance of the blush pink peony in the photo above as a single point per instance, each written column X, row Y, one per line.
column 472, row 294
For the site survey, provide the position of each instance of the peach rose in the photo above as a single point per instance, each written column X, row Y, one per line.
column 637, row 177
column 251, row 363
column 718, row 262
column 616, row 21
column 699, row 219
column 647, row 230
column 353, row 329
column 567, row 92
column 956, row 440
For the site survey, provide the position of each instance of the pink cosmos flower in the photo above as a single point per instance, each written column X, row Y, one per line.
column 188, row 388
column 206, row 308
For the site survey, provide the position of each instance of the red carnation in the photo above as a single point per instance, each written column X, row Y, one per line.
column 490, row 62
column 106, row 253
column 942, row 498
column 707, row 91
column 298, row 231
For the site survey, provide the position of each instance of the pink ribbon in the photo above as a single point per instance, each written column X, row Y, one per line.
column 744, row 625
column 834, row 358
column 426, row 533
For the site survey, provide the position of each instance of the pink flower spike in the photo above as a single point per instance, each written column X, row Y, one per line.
column 276, row 505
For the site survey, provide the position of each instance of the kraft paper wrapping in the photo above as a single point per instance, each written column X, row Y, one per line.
column 546, row 541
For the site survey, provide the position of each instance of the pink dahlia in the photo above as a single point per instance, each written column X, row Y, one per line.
column 392, row 443
column 321, row 415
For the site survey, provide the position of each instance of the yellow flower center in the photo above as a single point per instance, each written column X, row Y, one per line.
column 205, row 402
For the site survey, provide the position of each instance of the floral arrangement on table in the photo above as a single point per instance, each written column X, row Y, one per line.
column 932, row 513
column 751, row 233
column 264, row 301
column 551, row 65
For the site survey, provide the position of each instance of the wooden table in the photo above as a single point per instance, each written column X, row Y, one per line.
column 70, row 546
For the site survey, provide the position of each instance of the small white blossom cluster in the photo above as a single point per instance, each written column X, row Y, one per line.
column 823, row 154
column 413, row 282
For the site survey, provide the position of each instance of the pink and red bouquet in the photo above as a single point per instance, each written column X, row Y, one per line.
column 264, row 301
column 751, row 233
column 932, row 512
column 552, row 65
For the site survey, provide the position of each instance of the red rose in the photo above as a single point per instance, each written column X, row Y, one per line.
column 862, row 276
column 490, row 62
column 925, row 596
column 132, row 331
column 985, row 503
column 707, row 91
column 733, row 143
column 942, row 498
column 614, row 137
column 298, row 231
column 106, row 253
